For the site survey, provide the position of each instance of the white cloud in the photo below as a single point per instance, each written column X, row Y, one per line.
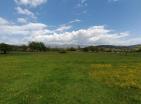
column 25, row 12
column 63, row 28
column 82, row 3
column 67, row 26
column 82, row 7
column 75, row 21
column 33, row 3
column 95, row 35
column 3, row 21
column 22, row 20
column 113, row 0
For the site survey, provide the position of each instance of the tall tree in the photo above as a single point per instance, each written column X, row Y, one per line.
column 37, row 46
column 4, row 48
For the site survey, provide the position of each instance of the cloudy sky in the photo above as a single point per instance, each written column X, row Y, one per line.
column 80, row 22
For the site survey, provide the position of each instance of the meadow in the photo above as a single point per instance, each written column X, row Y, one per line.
column 70, row 78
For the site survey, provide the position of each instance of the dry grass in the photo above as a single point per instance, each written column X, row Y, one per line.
column 123, row 76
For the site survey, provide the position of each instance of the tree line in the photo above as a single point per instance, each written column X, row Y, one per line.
column 32, row 46
column 41, row 47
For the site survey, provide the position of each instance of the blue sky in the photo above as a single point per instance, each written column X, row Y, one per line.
column 83, row 22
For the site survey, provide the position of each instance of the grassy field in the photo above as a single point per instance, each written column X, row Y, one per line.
column 71, row 78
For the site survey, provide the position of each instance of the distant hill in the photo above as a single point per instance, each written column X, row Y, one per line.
column 98, row 46
column 112, row 48
column 116, row 47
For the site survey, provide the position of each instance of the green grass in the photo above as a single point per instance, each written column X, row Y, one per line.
column 71, row 78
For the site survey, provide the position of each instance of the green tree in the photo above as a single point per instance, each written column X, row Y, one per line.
column 37, row 46
column 4, row 48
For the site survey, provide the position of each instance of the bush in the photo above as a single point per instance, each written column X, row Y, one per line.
column 62, row 51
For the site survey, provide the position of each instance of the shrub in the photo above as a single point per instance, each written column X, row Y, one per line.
column 62, row 51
